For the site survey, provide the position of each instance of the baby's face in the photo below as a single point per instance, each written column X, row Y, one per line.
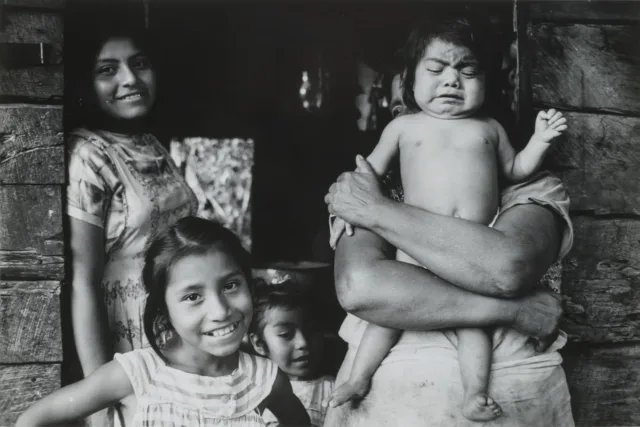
column 449, row 83
column 293, row 342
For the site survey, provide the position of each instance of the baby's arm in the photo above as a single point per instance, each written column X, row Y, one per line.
column 103, row 388
column 285, row 405
column 387, row 147
column 518, row 167
column 376, row 343
column 380, row 158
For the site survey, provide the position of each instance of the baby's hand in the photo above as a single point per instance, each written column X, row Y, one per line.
column 339, row 227
column 549, row 125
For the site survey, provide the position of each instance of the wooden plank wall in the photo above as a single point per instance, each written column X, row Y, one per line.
column 584, row 59
column 31, row 185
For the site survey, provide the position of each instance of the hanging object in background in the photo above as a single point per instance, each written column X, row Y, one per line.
column 378, row 101
column 219, row 171
column 313, row 85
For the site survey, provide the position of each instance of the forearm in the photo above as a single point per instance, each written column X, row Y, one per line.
column 90, row 329
column 475, row 257
column 527, row 161
column 404, row 296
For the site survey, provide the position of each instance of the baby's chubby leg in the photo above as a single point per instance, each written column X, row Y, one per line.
column 474, row 356
column 374, row 347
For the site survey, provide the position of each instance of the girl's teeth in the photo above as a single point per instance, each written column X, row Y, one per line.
column 223, row 331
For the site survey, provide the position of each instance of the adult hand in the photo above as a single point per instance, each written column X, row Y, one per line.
column 538, row 316
column 355, row 195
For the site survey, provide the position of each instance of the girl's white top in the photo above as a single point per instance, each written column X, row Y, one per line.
column 171, row 397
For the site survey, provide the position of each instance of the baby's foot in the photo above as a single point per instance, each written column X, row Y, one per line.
column 480, row 407
column 351, row 390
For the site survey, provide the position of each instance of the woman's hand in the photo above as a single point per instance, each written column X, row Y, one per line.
column 355, row 195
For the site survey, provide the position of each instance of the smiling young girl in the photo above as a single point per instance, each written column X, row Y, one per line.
column 198, row 310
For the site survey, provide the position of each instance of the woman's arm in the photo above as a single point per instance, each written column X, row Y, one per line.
column 501, row 261
column 285, row 405
column 104, row 388
column 88, row 312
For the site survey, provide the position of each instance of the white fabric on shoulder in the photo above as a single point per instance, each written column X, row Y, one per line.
column 140, row 366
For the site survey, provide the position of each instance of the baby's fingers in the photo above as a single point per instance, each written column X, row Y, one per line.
column 557, row 117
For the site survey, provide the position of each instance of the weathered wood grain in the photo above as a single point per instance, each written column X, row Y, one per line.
column 39, row 4
column 30, row 226
column 601, row 276
column 549, row 11
column 32, row 27
column 598, row 159
column 38, row 83
column 31, row 144
column 603, row 383
column 30, row 322
column 586, row 66
column 22, row 385
column 30, row 265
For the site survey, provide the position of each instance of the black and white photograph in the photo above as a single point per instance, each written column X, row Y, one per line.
column 247, row 213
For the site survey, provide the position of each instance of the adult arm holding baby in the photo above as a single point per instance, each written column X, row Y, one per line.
column 486, row 264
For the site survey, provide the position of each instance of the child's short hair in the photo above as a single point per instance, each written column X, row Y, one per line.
column 457, row 31
column 267, row 297
column 188, row 236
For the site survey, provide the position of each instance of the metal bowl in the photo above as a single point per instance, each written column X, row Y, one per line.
column 307, row 275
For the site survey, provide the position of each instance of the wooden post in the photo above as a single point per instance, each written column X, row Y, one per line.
column 31, row 187
column 585, row 61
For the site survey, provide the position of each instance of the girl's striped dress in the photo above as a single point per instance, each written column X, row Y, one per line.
column 169, row 397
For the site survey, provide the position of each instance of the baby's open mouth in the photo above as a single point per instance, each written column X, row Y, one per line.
column 222, row 331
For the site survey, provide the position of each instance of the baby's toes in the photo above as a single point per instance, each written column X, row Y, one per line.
column 482, row 400
column 493, row 405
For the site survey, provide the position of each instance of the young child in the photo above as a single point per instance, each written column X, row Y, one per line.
column 450, row 154
column 197, row 276
column 285, row 330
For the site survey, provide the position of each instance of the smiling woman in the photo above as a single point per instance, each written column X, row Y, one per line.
column 124, row 82
column 123, row 189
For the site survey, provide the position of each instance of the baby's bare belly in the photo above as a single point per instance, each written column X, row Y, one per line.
column 470, row 194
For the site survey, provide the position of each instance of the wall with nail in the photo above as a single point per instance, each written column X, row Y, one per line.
column 31, row 184
column 583, row 58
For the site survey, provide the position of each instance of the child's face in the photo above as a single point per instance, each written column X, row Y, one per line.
column 209, row 303
column 448, row 83
column 293, row 342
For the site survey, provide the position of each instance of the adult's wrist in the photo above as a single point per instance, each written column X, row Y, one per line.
column 379, row 213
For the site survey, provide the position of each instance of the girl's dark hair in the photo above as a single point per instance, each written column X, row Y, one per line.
column 89, row 27
column 188, row 236
column 457, row 31
column 267, row 297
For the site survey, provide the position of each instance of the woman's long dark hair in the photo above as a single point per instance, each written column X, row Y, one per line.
column 188, row 236
column 88, row 26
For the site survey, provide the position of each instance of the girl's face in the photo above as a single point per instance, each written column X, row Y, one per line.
column 449, row 83
column 292, row 341
column 209, row 304
column 123, row 80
